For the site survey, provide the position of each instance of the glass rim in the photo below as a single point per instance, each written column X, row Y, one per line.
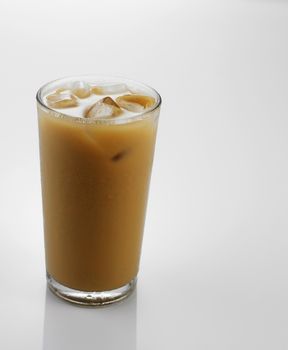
column 110, row 120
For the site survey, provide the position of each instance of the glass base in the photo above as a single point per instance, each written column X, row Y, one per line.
column 91, row 298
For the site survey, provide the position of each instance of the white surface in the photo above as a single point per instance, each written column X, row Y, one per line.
column 214, row 265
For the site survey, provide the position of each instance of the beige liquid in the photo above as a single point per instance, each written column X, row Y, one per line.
column 95, row 181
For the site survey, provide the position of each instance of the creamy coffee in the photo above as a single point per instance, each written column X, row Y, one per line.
column 96, row 146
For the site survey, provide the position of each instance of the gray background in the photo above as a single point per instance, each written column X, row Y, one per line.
column 214, row 264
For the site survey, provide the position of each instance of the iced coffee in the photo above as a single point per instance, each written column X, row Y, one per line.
column 97, row 140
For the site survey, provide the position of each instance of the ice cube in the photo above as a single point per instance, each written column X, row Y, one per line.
column 120, row 155
column 59, row 90
column 109, row 89
column 81, row 89
column 104, row 108
column 62, row 99
column 135, row 103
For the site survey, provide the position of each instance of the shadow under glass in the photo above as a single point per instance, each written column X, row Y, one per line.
column 72, row 327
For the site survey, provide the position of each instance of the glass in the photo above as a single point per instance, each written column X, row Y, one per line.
column 95, row 177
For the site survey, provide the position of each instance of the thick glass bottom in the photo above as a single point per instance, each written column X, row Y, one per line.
column 91, row 298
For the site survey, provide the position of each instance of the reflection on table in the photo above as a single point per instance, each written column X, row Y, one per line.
column 68, row 326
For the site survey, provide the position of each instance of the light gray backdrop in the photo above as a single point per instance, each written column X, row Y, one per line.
column 214, row 265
